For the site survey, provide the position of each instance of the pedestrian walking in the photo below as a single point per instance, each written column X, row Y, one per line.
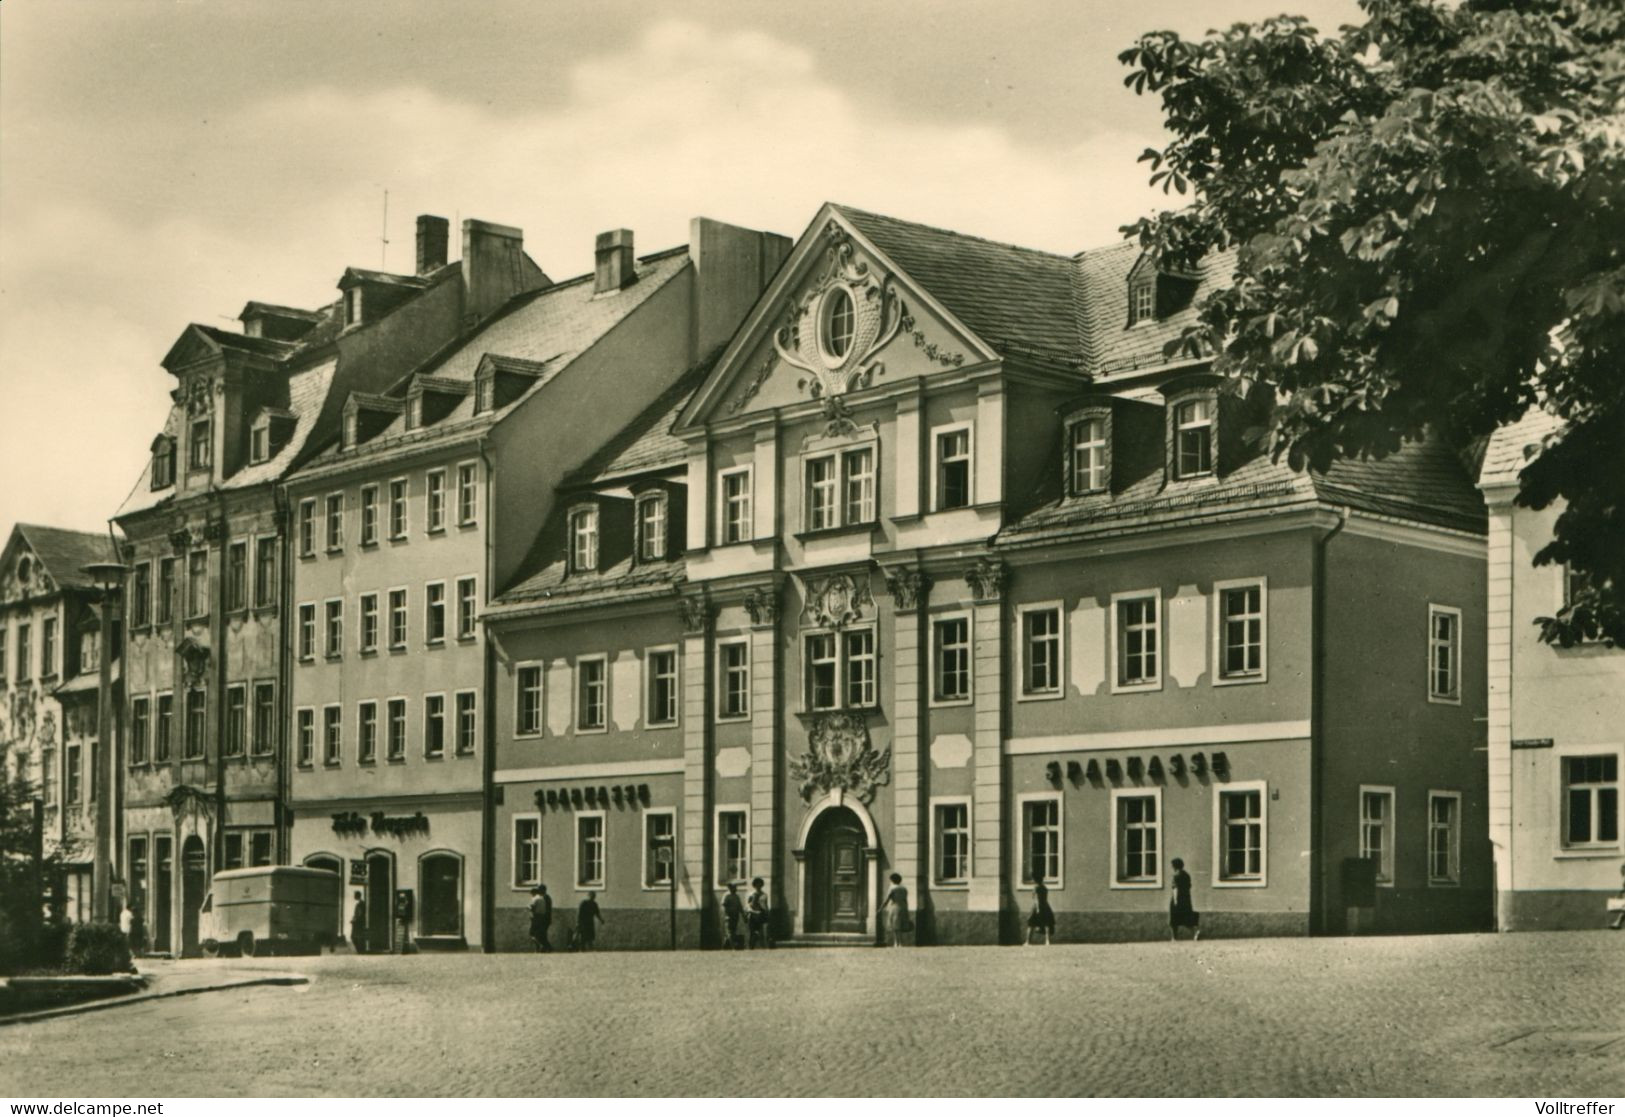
column 358, row 925
column 588, row 917
column 733, row 910
column 759, row 911
column 1180, row 911
column 1617, row 905
column 541, row 919
column 126, row 923
column 1042, row 917
column 898, row 922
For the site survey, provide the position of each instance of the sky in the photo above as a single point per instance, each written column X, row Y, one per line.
column 165, row 161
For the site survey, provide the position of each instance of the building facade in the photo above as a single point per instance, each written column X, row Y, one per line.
column 1556, row 745
column 430, row 492
column 973, row 585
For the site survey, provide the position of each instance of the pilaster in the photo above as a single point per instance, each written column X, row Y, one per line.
column 986, row 581
column 910, row 857
column 763, row 607
column 695, row 871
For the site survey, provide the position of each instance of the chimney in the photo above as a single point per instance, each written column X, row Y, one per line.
column 614, row 265
column 433, row 233
column 493, row 266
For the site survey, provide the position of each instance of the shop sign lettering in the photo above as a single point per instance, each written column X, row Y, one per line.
column 351, row 824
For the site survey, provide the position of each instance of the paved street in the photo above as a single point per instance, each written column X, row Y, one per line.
column 1476, row 1015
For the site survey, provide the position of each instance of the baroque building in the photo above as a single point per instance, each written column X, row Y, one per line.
column 942, row 568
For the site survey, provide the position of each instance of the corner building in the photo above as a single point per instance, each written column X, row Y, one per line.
column 976, row 586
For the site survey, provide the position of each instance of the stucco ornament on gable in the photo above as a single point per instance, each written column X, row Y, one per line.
column 877, row 315
column 839, row 756
column 198, row 396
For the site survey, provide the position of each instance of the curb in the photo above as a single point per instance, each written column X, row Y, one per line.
column 149, row 995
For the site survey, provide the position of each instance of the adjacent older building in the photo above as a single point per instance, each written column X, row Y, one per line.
column 50, row 650
column 1556, row 742
column 427, row 493
column 945, row 570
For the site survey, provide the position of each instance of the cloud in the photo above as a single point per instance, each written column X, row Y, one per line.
column 115, row 238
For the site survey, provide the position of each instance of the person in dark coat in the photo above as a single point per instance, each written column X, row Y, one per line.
column 541, row 919
column 1043, row 916
column 759, row 909
column 587, row 919
column 733, row 910
column 1180, row 911
column 358, row 925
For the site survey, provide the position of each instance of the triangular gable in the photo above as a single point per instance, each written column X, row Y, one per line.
column 893, row 328
column 195, row 344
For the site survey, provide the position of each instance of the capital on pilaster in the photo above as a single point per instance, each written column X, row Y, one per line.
column 986, row 579
column 763, row 606
column 908, row 587
column 696, row 614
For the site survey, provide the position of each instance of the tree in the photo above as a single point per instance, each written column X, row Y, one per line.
column 1428, row 212
column 24, row 880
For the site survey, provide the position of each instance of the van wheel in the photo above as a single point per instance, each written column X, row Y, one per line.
column 246, row 945
column 211, row 948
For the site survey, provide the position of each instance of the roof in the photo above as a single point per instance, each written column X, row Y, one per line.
column 1514, row 445
column 625, row 580
column 389, row 278
column 254, row 307
column 1116, row 346
column 65, row 552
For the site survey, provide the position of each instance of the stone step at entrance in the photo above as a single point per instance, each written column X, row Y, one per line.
column 801, row 942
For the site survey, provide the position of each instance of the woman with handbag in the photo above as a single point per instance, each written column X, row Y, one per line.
column 896, row 912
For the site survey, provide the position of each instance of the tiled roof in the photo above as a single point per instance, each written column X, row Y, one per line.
column 625, row 580
column 646, row 443
column 1512, row 447
column 1115, row 346
column 1018, row 300
column 65, row 552
column 264, row 346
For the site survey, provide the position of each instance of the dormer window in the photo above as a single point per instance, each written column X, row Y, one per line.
column 838, row 319
column 1193, row 438
column 163, row 462
column 584, row 539
column 652, row 528
column 270, row 432
column 352, row 306
column 1089, row 455
column 201, row 441
column 259, row 442
column 1142, row 301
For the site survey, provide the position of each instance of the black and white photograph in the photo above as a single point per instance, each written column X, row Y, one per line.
column 803, row 549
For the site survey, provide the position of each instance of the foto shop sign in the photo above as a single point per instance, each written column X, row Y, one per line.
column 351, row 824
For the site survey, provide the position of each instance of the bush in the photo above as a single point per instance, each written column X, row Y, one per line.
column 52, row 949
column 98, row 948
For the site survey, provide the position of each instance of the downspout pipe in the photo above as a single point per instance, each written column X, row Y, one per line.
column 488, row 820
column 283, row 810
column 1319, row 871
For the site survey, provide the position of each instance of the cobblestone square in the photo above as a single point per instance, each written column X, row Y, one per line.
column 1531, row 1015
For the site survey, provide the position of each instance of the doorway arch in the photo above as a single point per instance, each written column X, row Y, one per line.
column 380, row 895
column 194, row 886
column 440, row 879
column 836, row 854
column 332, row 862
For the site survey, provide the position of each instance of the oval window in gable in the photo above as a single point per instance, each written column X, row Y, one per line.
column 839, row 319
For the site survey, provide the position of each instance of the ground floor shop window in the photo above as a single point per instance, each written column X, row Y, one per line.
column 590, row 850
column 1590, row 801
column 1444, row 837
column 1137, row 835
column 1041, row 840
column 1377, row 830
column 1241, row 835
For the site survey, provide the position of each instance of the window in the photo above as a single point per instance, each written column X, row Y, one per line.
column 335, row 629
column 840, row 669
column 659, row 849
column 47, row 647
column 397, row 728
column 200, row 439
column 950, row 659
column 843, row 498
column 332, row 735
column 163, row 463
column 196, row 723
column 166, row 729
column 48, row 776
column 733, row 671
column 71, row 775
column 467, row 506
column 138, row 871
column 1239, row 630
column 265, row 571
column 259, row 443
column 259, row 847
column 1041, row 840
column 592, row 692
column 1590, row 801
column 467, row 722
column 434, row 725
column 25, row 670
column 590, row 850
column 1193, row 438
column 369, row 515
column 662, row 687
column 352, row 306
column 858, row 649
column 87, row 652
column 197, row 584
column 466, row 613
column 307, row 527
column 4, row 641
column 335, row 522
column 236, row 720
column 234, row 849
column 434, row 618
column 951, row 847
column 1377, row 830
column 397, row 508
column 821, row 485
column 1241, row 842
column 858, row 485
column 1142, row 302
column 527, row 851
column 652, row 528
column 140, row 603
column 733, row 845
column 166, row 591
column 1444, row 837
column 821, row 671
column 140, row 719
column 307, row 630
column 836, row 323
column 1444, row 654
column 435, row 500
column 264, row 719
column 397, row 618
column 1040, row 650
column 528, row 705
column 1134, row 615
column 1137, row 838
column 1088, row 456
column 369, row 622
column 367, row 733
column 953, row 477
column 584, row 539
column 736, row 512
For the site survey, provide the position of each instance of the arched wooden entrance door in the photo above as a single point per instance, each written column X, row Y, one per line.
column 194, row 885
column 333, row 865
column 163, row 892
column 836, row 900
column 380, row 902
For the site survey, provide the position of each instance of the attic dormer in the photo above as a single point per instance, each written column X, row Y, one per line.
column 1108, row 443
column 269, row 432
column 279, row 323
column 366, row 416
column 1156, row 291
column 500, row 381
column 369, row 295
column 163, row 462
column 430, row 399
column 1205, row 425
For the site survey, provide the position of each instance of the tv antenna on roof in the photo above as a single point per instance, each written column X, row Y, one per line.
column 383, row 237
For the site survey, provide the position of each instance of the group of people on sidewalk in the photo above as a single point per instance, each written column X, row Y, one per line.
column 583, row 936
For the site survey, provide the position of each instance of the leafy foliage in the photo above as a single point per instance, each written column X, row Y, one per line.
column 1429, row 213
column 98, row 948
column 27, row 939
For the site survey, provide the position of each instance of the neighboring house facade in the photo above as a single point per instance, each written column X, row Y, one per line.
column 972, row 584
column 1557, row 718
column 49, row 691
column 428, row 494
column 206, row 675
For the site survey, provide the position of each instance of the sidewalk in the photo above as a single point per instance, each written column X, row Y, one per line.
column 169, row 978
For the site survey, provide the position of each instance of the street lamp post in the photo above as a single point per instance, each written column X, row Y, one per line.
column 663, row 856
column 109, row 577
